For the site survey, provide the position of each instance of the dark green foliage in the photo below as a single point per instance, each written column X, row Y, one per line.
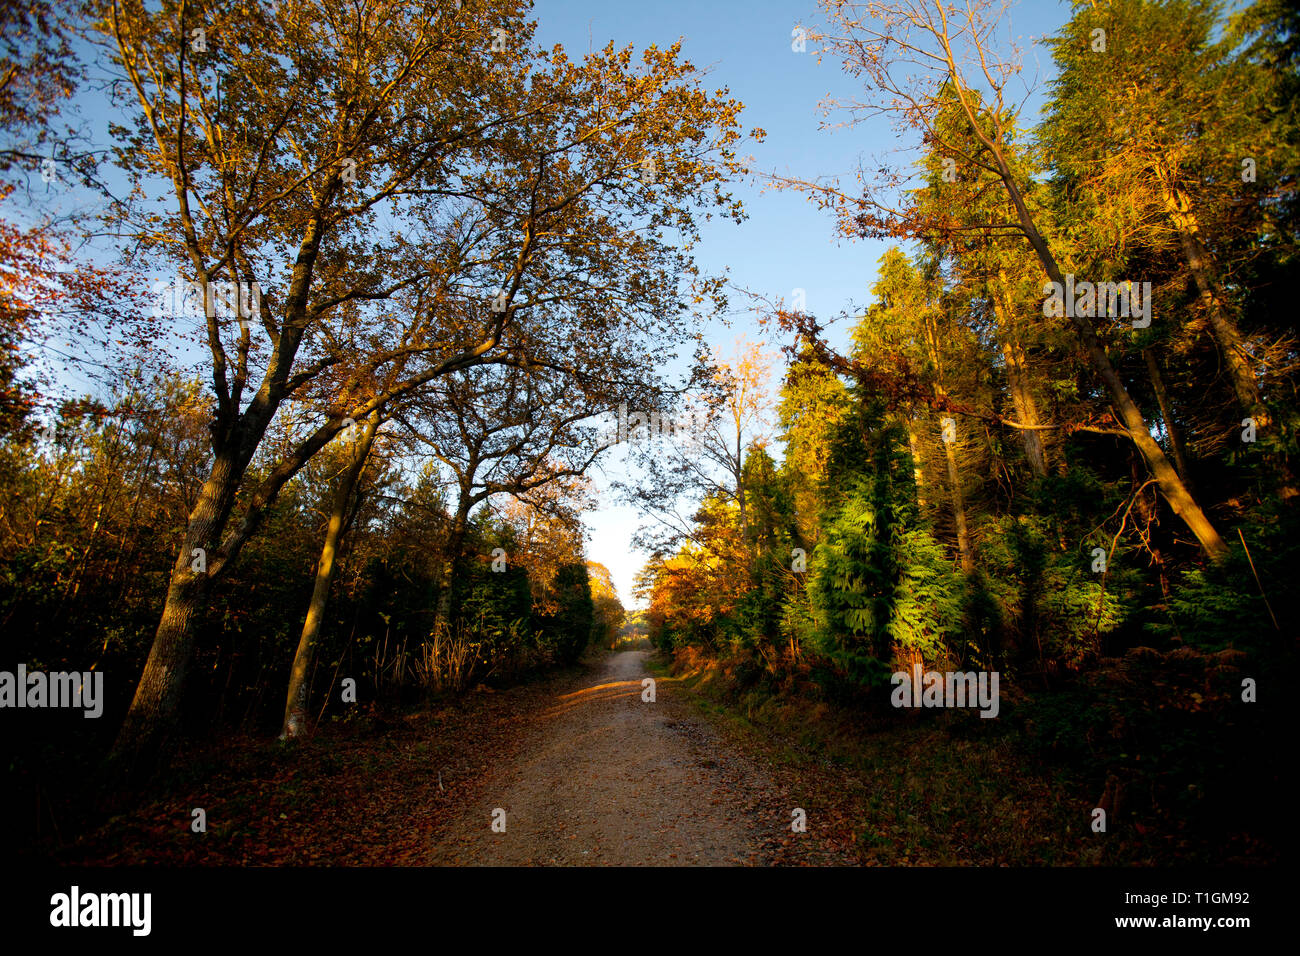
column 497, row 607
column 567, row 631
column 771, row 534
column 880, row 580
column 1052, row 604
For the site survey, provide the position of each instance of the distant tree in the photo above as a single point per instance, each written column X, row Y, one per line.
column 608, row 612
column 569, row 627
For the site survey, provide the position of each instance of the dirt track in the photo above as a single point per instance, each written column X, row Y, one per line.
column 602, row 777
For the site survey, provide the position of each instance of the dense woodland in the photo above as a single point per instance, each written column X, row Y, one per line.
column 1099, row 504
column 421, row 264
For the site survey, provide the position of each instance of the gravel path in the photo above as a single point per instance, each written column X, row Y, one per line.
column 602, row 777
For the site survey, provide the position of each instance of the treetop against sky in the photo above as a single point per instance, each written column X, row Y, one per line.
column 786, row 244
column 788, row 250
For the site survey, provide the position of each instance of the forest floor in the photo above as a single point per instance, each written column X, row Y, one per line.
column 585, row 770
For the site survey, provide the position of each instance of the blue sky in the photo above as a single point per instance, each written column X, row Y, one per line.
column 786, row 243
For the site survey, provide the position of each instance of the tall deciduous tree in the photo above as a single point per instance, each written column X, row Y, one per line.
column 341, row 503
column 449, row 197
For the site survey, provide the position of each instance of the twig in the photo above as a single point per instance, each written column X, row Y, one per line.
column 1257, row 581
column 1101, row 598
column 332, row 680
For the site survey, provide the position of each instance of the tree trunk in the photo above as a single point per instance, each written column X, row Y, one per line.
column 146, row 730
column 917, row 474
column 1223, row 328
column 949, row 452
column 1166, row 412
column 1171, row 485
column 1022, row 399
column 295, row 708
column 740, row 490
column 453, row 563
column 148, row 725
column 959, row 509
column 1167, row 479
